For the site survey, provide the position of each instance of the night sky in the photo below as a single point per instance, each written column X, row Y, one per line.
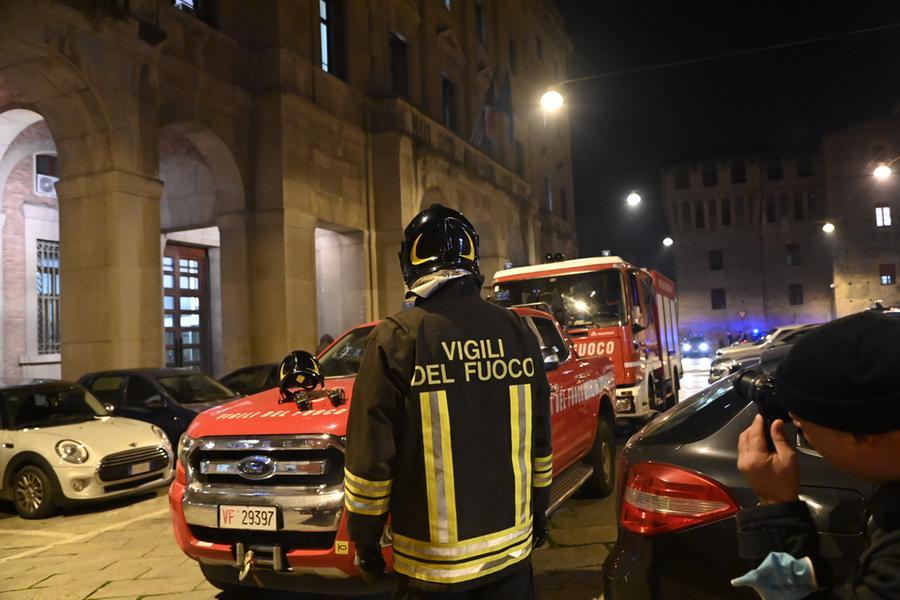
column 625, row 126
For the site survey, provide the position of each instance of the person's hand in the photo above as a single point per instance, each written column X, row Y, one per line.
column 370, row 562
column 540, row 535
column 774, row 476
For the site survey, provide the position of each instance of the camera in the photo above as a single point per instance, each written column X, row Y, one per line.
column 760, row 389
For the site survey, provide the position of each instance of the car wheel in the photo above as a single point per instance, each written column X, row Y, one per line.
column 603, row 458
column 676, row 388
column 34, row 494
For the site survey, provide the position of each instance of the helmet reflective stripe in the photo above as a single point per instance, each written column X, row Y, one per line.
column 471, row 254
column 414, row 255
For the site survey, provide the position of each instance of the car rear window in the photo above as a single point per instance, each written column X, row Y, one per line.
column 696, row 418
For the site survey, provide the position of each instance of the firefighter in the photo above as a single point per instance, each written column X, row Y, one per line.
column 449, row 430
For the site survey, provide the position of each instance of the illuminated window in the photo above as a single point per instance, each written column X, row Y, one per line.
column 330, row 39
column 882, row 216
column 888, row 274
column 48, row 296
column 448, row 4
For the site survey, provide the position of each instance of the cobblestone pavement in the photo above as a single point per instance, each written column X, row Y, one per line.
column 127, row 550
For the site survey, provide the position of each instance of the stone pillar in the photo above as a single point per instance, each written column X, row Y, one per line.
column 111, row 290
column 234, row 251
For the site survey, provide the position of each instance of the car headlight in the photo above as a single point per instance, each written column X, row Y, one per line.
column 162, row 436
column 72, row 451
column 704, row 346
column 185, row 445
column 686, row 347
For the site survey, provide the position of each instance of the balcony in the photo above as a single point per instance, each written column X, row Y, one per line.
column 396, row 115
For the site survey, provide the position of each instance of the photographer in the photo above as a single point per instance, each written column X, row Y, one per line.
column 839, row 386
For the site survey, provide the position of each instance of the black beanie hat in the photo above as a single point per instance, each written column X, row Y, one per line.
column 845, row 375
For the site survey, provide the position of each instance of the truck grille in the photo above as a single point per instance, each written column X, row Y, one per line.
column 272, row 461
column 119, row 465
column 289, row 540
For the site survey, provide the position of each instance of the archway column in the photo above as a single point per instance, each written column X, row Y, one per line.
column 111, row 300
column 235, row 295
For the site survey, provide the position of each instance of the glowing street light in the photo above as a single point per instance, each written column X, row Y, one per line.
column 828, row 227
column 668, row 242
column 552, row 101
column 633, row 199
column 882, row 171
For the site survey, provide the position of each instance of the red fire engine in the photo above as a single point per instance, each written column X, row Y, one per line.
column 610, row 308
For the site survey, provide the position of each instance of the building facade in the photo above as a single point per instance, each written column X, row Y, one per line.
column 866, row 239
column 213, row 184
column 749, row 249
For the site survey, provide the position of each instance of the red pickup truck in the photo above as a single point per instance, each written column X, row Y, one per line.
column 258, row 493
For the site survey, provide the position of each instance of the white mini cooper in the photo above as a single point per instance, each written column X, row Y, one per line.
column 59, row 446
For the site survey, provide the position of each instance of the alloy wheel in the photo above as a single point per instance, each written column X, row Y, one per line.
column 29, row 492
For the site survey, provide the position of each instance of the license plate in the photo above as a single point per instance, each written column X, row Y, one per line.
column 263, row 518
column 139, row 468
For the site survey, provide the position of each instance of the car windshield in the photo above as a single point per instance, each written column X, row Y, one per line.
column 49, row 406
column 584, row 299
column 195, row 387
column 343, row 358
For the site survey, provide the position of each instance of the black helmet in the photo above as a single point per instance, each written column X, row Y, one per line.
column 300, row 369
column 438, row 238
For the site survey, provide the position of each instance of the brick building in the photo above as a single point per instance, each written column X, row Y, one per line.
column 749, row 249
column 259, row 159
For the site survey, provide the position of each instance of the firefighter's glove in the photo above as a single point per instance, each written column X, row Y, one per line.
column 541, row 533
column 370, row 562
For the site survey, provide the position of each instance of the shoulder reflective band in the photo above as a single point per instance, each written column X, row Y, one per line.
column 520, row 427
column 543, row 471
column 438, row 466
column 366, row 497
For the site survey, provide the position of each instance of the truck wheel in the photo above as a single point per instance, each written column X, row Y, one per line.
column 603, row 458
column 218, row 583
column 34, row 494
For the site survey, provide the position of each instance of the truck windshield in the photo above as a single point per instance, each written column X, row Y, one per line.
column 49, row 406
column 343, row 358
column 578, row 300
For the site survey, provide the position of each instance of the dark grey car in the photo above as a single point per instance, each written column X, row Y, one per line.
column 679, row 491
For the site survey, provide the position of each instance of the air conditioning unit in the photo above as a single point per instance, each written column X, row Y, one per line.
column 45, row 185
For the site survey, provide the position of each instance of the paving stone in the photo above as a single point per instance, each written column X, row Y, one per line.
column 581, row 536
column 22, row 581
column 562, row 559
column 148, row 587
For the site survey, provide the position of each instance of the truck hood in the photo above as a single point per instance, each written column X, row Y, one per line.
column 101, row 437
column 265, row 414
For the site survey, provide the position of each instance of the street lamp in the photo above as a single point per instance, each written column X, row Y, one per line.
column 633, row 199
column 828, row 227
column 552, row 101
column 882, row 171
column 668, row 242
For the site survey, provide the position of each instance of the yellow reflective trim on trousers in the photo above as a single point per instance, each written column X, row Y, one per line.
column 515, row 450
column 377, row 487
column 543, row 480
column 439, row 480
column 526, row 402
column 366, row 490
column 543, row 462
column 464, row 548
column 457, row 572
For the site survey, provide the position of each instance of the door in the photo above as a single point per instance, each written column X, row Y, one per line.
column 186, row 307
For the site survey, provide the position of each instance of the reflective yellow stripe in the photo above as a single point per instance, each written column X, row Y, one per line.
column 515, row 450
column 543, row 479
column 526, row 453
column 464, row 548
column 543, row 462
column 365, row 506
column 366, row 491
column 464, row 571
column 367, row 486
column 438, row 452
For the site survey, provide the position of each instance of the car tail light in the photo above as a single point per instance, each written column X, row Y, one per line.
column 661, row 498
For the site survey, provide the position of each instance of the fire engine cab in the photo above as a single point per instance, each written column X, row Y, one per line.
column 610, row 308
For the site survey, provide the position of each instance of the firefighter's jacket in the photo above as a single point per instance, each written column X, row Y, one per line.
column 449, row 435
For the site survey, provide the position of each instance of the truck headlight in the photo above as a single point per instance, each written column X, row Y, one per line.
column 72, row 451
column 162, row 436
column 185, row 445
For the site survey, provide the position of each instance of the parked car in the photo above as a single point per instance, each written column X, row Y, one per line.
column 679, row 492
column 258, row 462
column 168, row 398
column 739, row 351
column 695, row 346
column 724, row 365
column 60, row 447
column 252, row 380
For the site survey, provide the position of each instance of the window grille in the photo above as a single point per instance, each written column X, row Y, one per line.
column 48, row 296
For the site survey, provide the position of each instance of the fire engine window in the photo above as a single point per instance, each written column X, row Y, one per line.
column 582, row 300
column 550, row 337
column 647, row 291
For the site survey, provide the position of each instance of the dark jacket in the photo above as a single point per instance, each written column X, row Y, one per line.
column 790, row 528
column 449, row 434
